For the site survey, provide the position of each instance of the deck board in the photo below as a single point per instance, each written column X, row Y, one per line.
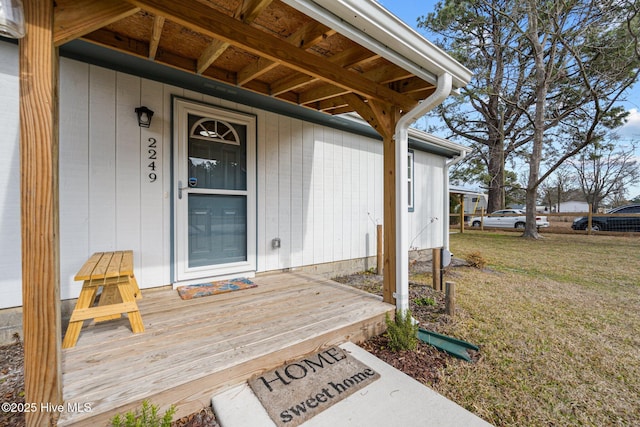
column 192, row 348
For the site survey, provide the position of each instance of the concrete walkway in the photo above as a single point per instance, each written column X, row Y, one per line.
column 393, row 400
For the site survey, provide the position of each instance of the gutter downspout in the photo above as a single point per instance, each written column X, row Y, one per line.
column 447, row 213
column 443, row 89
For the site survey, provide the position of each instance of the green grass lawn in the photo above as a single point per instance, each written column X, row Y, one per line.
column 558, row 323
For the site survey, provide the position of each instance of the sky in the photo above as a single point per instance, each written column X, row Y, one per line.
column 410, row 10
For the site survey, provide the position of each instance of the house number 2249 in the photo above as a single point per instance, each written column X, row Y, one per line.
column 152, row 154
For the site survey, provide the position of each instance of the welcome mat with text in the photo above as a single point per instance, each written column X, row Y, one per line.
column 299, row 390
column 214, row 288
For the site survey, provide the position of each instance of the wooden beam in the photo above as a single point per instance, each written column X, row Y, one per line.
column 75, row 19
column 138, row 48
column 389, row 225
column 158, row 24
column 415, row 84
column 210, row 54
column 334, row 103
column 252, row 8
column 388, row 117
column 345, row 59
column 322, row 93
column 200, row 18
column 120, row 43
column 382, row 75
column 255, row 70
column 365, row 110
column 305, row 37
column 388, row 74
column 290, row 83
column 339, row 110
column 39, row 212
column 247, row 12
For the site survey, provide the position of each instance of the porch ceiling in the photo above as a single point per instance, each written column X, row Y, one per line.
column 265, row 46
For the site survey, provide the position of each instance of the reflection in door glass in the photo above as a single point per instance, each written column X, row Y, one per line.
column 217, row 229
column 217, row 154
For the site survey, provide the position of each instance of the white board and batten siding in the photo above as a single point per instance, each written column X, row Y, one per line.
column 319, row 190
column 10, row 233
column 426, row 222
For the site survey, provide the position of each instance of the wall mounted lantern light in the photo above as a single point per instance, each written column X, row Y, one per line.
column 144, row 116
column 11, row 19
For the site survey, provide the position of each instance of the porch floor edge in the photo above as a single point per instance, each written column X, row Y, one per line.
column 287, row 316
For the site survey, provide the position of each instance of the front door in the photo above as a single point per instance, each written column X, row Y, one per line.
column 214, row 169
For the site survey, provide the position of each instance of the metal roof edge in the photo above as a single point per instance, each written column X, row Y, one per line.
column 457, row 189
column 423, row 141
column 443, row 144
column 370, row 24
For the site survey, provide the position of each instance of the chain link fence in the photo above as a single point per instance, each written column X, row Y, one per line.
column 623, row 220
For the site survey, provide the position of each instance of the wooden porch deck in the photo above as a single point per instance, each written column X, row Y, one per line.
column 191, row 349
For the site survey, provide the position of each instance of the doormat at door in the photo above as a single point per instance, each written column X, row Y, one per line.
column 299, row 390
column 214, row 288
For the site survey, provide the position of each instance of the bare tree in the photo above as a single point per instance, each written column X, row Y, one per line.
column 557, row 188
column 604, row 171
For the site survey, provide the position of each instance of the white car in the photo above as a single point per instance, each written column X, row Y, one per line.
column 508, row 218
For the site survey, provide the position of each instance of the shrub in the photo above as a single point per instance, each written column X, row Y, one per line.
column 403, row 332
column 424, row 301
column 475, row 259
column 148, row 417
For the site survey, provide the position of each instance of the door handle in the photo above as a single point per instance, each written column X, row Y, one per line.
column 180, row 188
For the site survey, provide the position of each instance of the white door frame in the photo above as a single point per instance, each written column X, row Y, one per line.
column 183, row 273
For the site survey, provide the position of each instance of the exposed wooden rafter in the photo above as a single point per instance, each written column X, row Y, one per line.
column 200, row 18
column 211, row 53
column 75, row 19
column 345, row 59
column 158, row 23
column 376, row 114
column 304, row 38
column 247, row 12
column 381, row 76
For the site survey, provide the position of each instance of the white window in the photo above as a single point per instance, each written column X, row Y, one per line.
column 410, row 179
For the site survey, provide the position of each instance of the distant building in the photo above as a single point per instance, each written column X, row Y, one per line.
column 474, row 200
column 572, row 206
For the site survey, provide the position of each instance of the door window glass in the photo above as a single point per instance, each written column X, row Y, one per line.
column 217, row 154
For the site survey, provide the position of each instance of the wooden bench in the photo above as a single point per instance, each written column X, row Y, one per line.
column 113, row 272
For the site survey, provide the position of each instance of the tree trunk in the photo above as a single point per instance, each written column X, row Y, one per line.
column 531, row 230
column 495, row 194
column 541, row 87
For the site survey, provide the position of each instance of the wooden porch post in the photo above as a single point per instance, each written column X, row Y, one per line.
column 390, row 200
column 39, row 212
column 384, row 118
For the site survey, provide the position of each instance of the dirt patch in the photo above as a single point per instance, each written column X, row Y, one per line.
column 11, row 382
column 204, row 418
column 426, row 364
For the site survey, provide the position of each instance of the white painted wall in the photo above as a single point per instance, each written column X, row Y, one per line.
column 426, row 222
column 319, row 189
column 10, row 246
